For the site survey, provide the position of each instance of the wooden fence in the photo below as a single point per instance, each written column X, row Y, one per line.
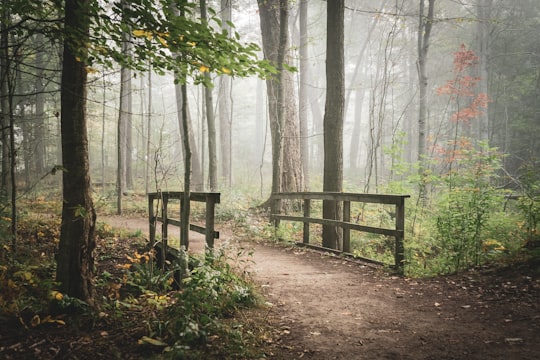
column 346, row 224
column 211, row 199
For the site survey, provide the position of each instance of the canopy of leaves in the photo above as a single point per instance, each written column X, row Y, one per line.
column 166, row 35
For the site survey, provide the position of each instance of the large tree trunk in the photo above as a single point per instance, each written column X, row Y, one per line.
column 333, row 118
column 75, row 268
column 284, row 125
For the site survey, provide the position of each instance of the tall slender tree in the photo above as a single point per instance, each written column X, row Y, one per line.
column 303, row 90
column 225, row 118
column 211, row 122
column 425, row 24
column 333, row 117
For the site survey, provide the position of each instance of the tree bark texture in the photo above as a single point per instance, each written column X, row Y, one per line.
column 211, row 123
column 284, row 123
column 333, row 118
column 424, row 32
column 75, row 268
column 4, row 116
column 225, row 119
column 303, row 91
column 483, row 13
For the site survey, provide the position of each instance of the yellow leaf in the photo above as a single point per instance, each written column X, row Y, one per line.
column 56, row 295
column 142, row 33
column 191, row 43
column 163, row 41
column 225, row 70
column 91, row 70
column 204, row 69
column 149, row 340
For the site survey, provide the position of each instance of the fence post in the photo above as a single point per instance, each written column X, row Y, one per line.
column 164, row 229
column 346, row 230
column 307, row 214
column 400, row 227
column 152, row 220
column 275, row 207
column 209, row 233
column 184, row 240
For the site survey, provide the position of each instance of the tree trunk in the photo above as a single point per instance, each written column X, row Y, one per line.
column 39, row 132
column 225, row 119
column 186, row 208
column 303, row 92
column 197, row 180
column 333, row 118
column 284, row 125
column 75, row 267
column 148, row 160
column 124, row 178
column 196, row 177
column 483, row 13
column 424, row 32
column 211, row 122
column 4, row 116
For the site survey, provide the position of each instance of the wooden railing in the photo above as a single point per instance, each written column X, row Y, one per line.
column 211, row 199
column 346, row 199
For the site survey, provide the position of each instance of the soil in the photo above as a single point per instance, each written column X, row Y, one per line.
column 322, row 306
column 328, row 307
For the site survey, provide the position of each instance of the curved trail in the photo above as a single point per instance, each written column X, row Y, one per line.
column 330, row 308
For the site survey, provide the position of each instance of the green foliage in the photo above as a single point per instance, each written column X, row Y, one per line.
column 170, row 41
column 465, row 208
column 529, row 201
column 213, row 291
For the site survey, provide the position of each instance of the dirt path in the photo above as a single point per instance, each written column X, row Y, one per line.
column 330, row 308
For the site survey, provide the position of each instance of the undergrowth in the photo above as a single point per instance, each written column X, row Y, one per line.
column 191, row 316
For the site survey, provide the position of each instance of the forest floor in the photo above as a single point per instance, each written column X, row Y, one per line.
column 328, row 307
column 321, row 306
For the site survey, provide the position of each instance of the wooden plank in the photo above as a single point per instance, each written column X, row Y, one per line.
column 192, row 227
column 194, row 196
column 334, row 196
column 352, row 226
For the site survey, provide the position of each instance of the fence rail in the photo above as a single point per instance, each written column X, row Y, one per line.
column 346, row 199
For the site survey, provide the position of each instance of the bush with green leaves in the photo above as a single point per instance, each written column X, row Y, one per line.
column 529, row 200
column 464, row 208
column 213, row 291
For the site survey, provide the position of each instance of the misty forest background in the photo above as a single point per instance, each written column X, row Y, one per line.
column 443, row 106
